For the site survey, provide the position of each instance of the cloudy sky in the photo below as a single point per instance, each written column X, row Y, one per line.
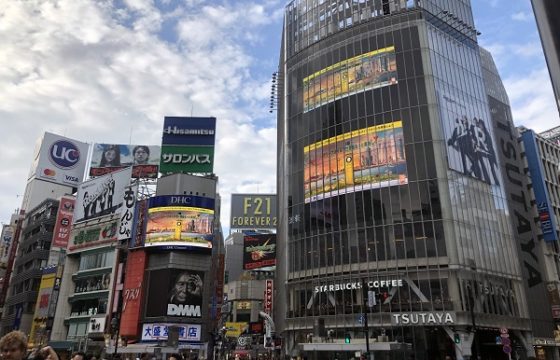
column 109, row 71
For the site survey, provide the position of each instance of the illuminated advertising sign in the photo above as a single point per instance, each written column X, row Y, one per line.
column 268, row 294
column 127, row 214
column 184, row 289
column 139, row 225
column 368, row 71
column 259, row 251
column 95, row 233
column 64, row 216
column 132, row 293
column 189, row 131
column 60, row 160
column 5, row 245
column 235, row 329
column 179, row 226
column 101, row 196
column 107, row 158
column 187, row 159
column 544, row 206
column 253, row 211
column 423, row 318
column 363, row 159
column 38, row 333
column 160, row 331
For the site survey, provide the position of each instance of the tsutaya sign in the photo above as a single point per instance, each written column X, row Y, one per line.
column 358, row 285
column 423, row 318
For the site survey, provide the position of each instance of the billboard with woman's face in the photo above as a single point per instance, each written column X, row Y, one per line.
column 107, row 158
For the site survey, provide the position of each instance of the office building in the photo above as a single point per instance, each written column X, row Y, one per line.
column 394, row 217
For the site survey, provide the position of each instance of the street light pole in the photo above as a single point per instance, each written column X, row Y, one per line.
column 366, row 315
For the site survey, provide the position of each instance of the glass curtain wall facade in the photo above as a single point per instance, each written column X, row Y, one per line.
column 389, row 185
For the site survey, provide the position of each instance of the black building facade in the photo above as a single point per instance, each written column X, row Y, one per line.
column 392, row 204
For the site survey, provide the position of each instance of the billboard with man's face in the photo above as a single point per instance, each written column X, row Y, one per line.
column 107, row 158
column 183, row 289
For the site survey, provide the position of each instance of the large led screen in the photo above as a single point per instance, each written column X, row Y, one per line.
column 363, row 159
column 179, row 227
column 259, row 251
column 371, row 70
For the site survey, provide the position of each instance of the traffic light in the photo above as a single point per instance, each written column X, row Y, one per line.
column 457, row 338
column 347, row 338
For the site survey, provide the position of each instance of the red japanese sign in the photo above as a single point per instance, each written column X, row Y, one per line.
column 64, row 218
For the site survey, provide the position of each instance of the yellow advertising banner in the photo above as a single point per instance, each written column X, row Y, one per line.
column 235, row 329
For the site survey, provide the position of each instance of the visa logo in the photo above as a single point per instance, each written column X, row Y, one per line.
column 71, row 178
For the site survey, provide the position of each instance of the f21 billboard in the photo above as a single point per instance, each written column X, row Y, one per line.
column 259, row 251
column 60, row 160
column 177, row 222
column 175, row 293
column 107, row 158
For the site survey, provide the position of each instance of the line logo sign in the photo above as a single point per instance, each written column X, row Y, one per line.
column 64, row 154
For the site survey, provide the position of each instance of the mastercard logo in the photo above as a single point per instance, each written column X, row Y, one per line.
column 49, row 172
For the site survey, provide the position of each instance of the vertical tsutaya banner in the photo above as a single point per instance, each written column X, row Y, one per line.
column 253, row 211
column 188, row 145
column 107, row 158
column 371, row 70
column 184, row 289
column 363, row 159
column 60, row 160
column 6, row 245
column 544, row 205
column 101, row 196
column 127, row 214
column 259, row 251
column 470, row 148
column 61, row 232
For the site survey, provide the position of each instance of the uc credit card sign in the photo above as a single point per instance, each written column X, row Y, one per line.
column 60, row 160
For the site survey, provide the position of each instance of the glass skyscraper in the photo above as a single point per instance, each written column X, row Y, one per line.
column 394, row 217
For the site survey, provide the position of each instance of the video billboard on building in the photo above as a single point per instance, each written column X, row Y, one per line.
column 367, row 71
column 253, row 211
column 64, row 217
column 363, row 159
column 259, row 251
column 102, row 196
column 60, row 160
column 188, row 145
column 180, row 222
column 44, row 307
column 107, row 158
column 175, row 293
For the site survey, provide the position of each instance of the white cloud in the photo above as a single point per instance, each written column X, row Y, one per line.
column 522, row 16
column 114, row 74
column 532, row 100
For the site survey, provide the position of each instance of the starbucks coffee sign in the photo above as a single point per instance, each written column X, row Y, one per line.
column 424, row 318
column 372, row 284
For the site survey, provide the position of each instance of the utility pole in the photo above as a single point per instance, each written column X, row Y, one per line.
column 365, row 312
